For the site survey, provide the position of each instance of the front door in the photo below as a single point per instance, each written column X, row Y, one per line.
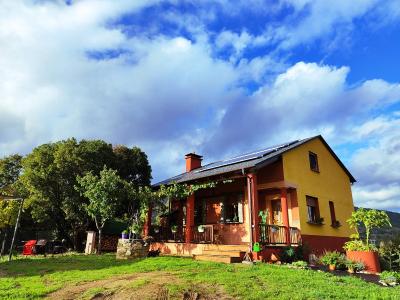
column 276, row 212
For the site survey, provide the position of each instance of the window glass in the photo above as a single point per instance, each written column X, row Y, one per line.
column 312, row 209
column 313, row 161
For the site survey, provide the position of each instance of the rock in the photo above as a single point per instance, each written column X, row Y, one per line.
column 128, row 249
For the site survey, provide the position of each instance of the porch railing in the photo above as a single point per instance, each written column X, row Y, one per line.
column 206, row 236
column 277, row 235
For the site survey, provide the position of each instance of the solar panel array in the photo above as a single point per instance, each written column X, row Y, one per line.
column 245, row 157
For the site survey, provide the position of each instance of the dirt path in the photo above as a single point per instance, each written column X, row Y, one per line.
column 137, row 286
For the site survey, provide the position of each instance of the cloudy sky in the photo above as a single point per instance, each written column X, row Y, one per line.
column 215, row 77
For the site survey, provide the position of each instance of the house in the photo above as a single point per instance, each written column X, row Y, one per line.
column 302, row 187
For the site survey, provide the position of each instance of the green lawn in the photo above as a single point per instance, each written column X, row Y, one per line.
column 35, row 278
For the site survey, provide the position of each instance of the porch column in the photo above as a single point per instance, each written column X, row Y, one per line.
column 189, row 218
column 285, row 214
column 147, row 223
column 254, row 207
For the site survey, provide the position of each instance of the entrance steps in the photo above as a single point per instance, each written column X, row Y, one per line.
column 223, row 253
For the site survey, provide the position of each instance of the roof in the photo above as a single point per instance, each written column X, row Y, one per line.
column 256, row 159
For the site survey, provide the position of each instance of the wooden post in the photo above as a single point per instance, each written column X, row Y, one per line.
column 147, row 224
column 189, row 218
column 254, row 207
column 285, row 214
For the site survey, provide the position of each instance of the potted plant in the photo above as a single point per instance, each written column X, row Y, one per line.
column 174, row 228
column 125, row 234
column 156, row 229
column 354, row 266
column 361, row 250
column 200, row 228
column 332, row 259
column 336, row 224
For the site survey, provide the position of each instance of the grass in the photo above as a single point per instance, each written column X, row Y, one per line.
column 35, row 278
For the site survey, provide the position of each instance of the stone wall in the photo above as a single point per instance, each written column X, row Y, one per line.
column 127, row 249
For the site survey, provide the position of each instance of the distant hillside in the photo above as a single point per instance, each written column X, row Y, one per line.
column 385, row 233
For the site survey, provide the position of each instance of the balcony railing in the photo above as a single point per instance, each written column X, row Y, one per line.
column 165, row 234
column 206, row 236
column 277, row 235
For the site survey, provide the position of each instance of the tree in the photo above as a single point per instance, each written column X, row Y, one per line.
column 102, row 192
column 369, row 218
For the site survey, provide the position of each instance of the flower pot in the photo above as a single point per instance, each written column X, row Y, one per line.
column 124, row 236
column 370, row 259
column 332, row 267
column 200, row 229
column 156, row 229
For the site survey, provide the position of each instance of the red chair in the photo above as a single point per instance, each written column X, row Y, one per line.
column 29, row 247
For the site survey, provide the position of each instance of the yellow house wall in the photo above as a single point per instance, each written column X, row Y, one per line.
column 330, row 184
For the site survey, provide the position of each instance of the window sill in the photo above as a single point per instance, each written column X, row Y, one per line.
column 336, row 225
column 315, row 223
column 315, row 171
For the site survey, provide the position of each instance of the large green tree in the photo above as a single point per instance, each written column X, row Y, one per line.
column 50, row 173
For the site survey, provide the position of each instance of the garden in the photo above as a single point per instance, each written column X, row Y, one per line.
column 103, row 277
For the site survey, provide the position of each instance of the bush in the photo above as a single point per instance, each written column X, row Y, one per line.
column 356, row 266
column 290, row 254
column 358, row 245
column 333, row 258
column 301, row 264
column 390, row 278
column 389, row 254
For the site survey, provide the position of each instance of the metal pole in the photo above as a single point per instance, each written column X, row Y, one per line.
column 15, row 229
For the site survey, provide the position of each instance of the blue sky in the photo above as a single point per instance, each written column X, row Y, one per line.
column 216, row 77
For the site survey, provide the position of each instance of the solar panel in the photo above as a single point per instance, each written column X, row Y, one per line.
column 245, row 157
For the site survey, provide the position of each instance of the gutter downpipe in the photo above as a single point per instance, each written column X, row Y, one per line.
column 249, row 183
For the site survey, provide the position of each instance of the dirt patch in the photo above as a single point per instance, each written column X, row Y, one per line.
column 138, row 286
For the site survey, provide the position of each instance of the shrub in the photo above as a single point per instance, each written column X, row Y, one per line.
column 389, row 254
column 290, row 254
column 357, row 245
column 333, row 258
column 390, row 278
column 301, row 264
column 356, row 266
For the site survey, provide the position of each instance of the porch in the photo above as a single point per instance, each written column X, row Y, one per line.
column 230, row 215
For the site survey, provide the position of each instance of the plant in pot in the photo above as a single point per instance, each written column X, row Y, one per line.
column 333, row 259
column 174, row 228
column 200, row 228
column 361, row 249
column 354, row 266
column 125, row 234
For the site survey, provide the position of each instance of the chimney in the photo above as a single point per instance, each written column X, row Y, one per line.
column 193, row 161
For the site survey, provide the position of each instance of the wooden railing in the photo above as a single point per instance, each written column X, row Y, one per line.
column 206, row 236
column 277, row 235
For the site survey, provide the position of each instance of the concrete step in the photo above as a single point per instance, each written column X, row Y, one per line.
column 217, row 258
column 232, row 253
column 243, row 248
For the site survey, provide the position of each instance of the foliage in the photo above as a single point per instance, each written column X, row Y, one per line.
column 264, row 216
column 10, row 170
column 333, row 258
column 102, row 192
column 357, row 245
column 389, row 254
column 50, row 172
column 356, row 266
column 290, row 254
column 390, row 277
column 370, row 219
column 301, row 264
column 35, row 278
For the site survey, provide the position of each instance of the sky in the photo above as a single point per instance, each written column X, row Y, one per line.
column 218, row 78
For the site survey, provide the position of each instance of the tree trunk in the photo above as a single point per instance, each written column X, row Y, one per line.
column 99, row 244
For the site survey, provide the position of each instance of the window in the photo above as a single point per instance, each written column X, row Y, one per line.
column 333, row 215
column 313, row 161
column 313, row 210
column 221, row 209
column 233, row 209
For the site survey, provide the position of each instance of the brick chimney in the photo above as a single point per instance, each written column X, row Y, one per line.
column 193, row 161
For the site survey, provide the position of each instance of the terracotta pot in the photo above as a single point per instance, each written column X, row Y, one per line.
column 370, row 259
column 332, row 267
column 274, row 258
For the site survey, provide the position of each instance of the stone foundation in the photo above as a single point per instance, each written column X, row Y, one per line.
column 128, row 249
